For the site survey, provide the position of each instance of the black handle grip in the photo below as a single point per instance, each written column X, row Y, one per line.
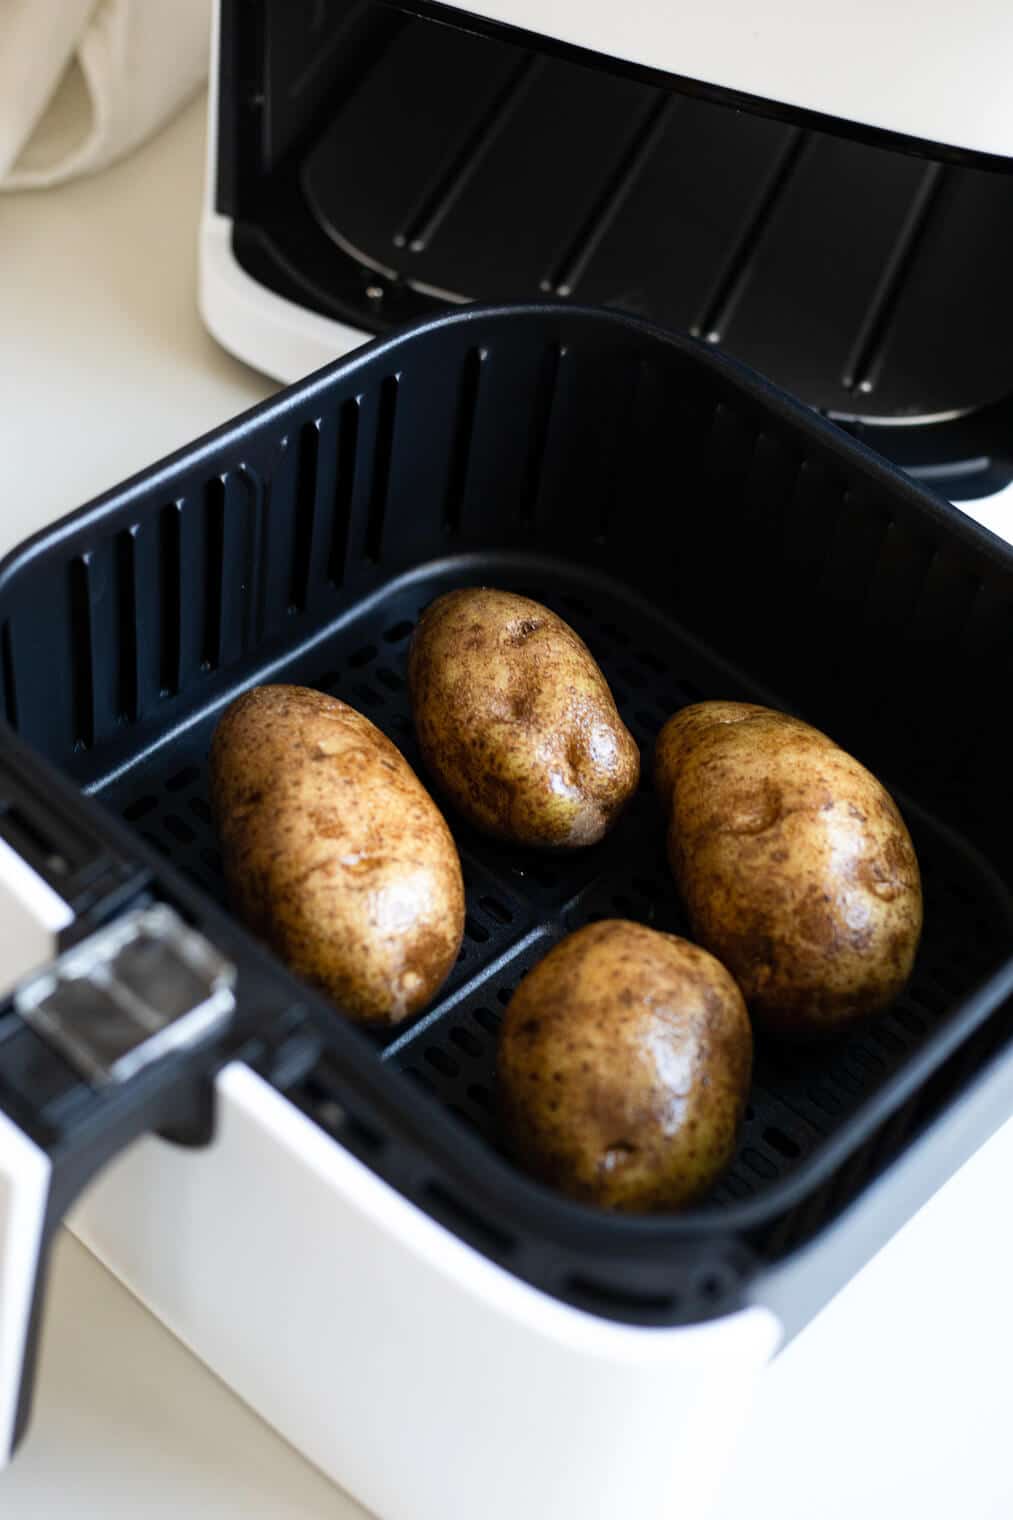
column 120, row 1035
column 38, row 1188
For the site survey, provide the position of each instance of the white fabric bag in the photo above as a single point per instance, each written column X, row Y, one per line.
column 82, row 82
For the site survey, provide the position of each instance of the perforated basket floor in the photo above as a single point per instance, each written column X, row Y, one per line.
column 518, row 903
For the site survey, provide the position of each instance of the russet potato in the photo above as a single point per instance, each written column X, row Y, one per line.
column 624, row 1066
column 333, row 851
column 516, row 722
column 794, row 863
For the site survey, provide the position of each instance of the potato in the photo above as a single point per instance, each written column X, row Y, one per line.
column 624, row 1066
column 334, row 852
column 794, row 863
column 516, row 722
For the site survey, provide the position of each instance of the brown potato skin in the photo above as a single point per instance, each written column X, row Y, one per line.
column 624, row 1066
column 334, row 852
column 516, row 722
column 794, row 863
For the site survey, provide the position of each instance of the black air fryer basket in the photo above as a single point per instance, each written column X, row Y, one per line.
column 708, row 537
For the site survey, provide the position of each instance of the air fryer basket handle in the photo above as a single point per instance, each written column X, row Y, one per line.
column 38, row 1186
column 115, row 1014
column 118, row 1035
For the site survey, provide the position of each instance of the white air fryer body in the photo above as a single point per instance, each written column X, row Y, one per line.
column 425, row 1379
column 263, row 329
column 419, row 1375
column 937, row 72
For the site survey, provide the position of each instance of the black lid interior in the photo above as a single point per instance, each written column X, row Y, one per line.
column 379, row 164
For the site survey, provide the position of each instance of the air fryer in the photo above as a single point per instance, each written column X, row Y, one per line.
column 333, row 1217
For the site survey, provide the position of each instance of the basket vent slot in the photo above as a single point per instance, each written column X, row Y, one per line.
column 541, row 418
column 348, row 444
column 467, row 408
column 305, row 506
column 127, row 698
column 82, row 675
column 386, row 417
column 169, row 550
column 214, row 567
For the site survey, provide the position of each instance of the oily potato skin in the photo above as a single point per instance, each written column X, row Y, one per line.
column 516, row 722
column 794, row 863
column 334, row 852
column 624, row 1066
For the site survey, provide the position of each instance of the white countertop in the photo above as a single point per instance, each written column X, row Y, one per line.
column 893, row 1402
